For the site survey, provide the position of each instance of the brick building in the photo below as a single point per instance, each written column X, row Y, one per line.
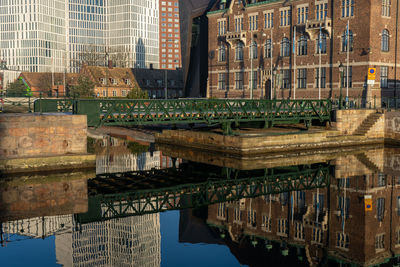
column 256, row 35
column 170, row 40
column 342, row 230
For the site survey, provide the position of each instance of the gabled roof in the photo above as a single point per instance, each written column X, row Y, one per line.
column 36, row 79
column 120, row 75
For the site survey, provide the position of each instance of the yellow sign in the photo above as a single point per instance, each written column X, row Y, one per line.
column 371, row 73
column 368, row 203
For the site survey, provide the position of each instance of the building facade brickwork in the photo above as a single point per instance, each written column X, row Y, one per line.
column 284, row 68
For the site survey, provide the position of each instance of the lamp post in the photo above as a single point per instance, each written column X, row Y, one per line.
column 274, row 80
column 341, row 69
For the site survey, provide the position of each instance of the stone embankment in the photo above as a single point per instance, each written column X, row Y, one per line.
column 349, row 128
column 33, row 142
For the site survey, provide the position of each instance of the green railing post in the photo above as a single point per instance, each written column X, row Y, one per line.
column 29, row 104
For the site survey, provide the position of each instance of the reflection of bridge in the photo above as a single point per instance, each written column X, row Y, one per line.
column 218, row 111
column 171, row 189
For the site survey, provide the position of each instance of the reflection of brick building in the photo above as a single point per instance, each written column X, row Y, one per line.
column 337, row 227
column 267, row 28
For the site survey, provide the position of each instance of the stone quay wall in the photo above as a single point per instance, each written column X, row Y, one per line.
column 34, row 135
column 21, row 200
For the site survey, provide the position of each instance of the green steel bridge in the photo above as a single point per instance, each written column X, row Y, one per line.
column 188, row 111
column 145, row 192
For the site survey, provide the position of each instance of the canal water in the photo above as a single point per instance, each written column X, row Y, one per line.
column 148, row 205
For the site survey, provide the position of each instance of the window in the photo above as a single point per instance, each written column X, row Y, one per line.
column 298, row 231
column 253, row 50
column 321, row 11
column 239, row 24
column 302, row 14
column 239, row 51
column 285, row 17
column 237, row 215
column 239, row 80
column 380, row 242
column 386, row 8
column 268, row 49
column 221, row 27
column 302, row 46
column 282, row 227
column 317, row 235
column 221, row 53
column 266, row 223
column 319, row 203
column 285, row 79
column 398, row 206
column 285, row 47
column 321, row 43
column 381, row 179
column 342, row 240
column 251, row 217
column 385, row 41
column 221, row 213
column 269, row 19
column 253, row 80
column 302, row 78
column 322, row 80
column 221, row 81
column 284, row 198
column 380, row 209
column 384, row 77
column 114, row 93
column 344, row 81
column 347, row 41
column 253, row 22
column 343, row 206
column 347, row 8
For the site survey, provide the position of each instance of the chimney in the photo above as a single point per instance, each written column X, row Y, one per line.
column 151, row 66
column 110, row 64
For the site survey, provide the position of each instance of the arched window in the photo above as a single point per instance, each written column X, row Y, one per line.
column 303, row 45
column 321, row 43
column 221, row 53
column 385, row 40
column 268, row 49
column 253, row 50
column 285, row 47
column 239, row 51
column 347, row 41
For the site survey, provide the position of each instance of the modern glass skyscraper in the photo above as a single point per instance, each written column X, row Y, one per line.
column 33, row 34
column 58, row 35
column 133, row 32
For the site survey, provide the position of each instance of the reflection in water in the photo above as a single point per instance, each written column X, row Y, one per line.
column 313, row 214
column 117, row 155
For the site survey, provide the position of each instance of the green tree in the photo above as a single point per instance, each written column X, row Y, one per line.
column 84, row 88
column 17, row 88
column 137, row 93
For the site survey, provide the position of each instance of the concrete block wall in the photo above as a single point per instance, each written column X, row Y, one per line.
column 33, row 135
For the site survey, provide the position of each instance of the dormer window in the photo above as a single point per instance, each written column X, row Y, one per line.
column 113, row 81
column 222, row 4
column 127, row 81
column 102, row 81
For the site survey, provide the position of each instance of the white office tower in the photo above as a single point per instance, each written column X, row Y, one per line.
column 132, row 241
column 133, row 30
column 33, row 34
column 87, row 33
column 58, row 35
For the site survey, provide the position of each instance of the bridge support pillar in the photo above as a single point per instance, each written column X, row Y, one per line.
column 227, row 128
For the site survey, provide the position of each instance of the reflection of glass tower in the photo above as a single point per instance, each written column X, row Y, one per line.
column 131, row 241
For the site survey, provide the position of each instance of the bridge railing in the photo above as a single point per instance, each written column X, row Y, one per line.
column 210, row 111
